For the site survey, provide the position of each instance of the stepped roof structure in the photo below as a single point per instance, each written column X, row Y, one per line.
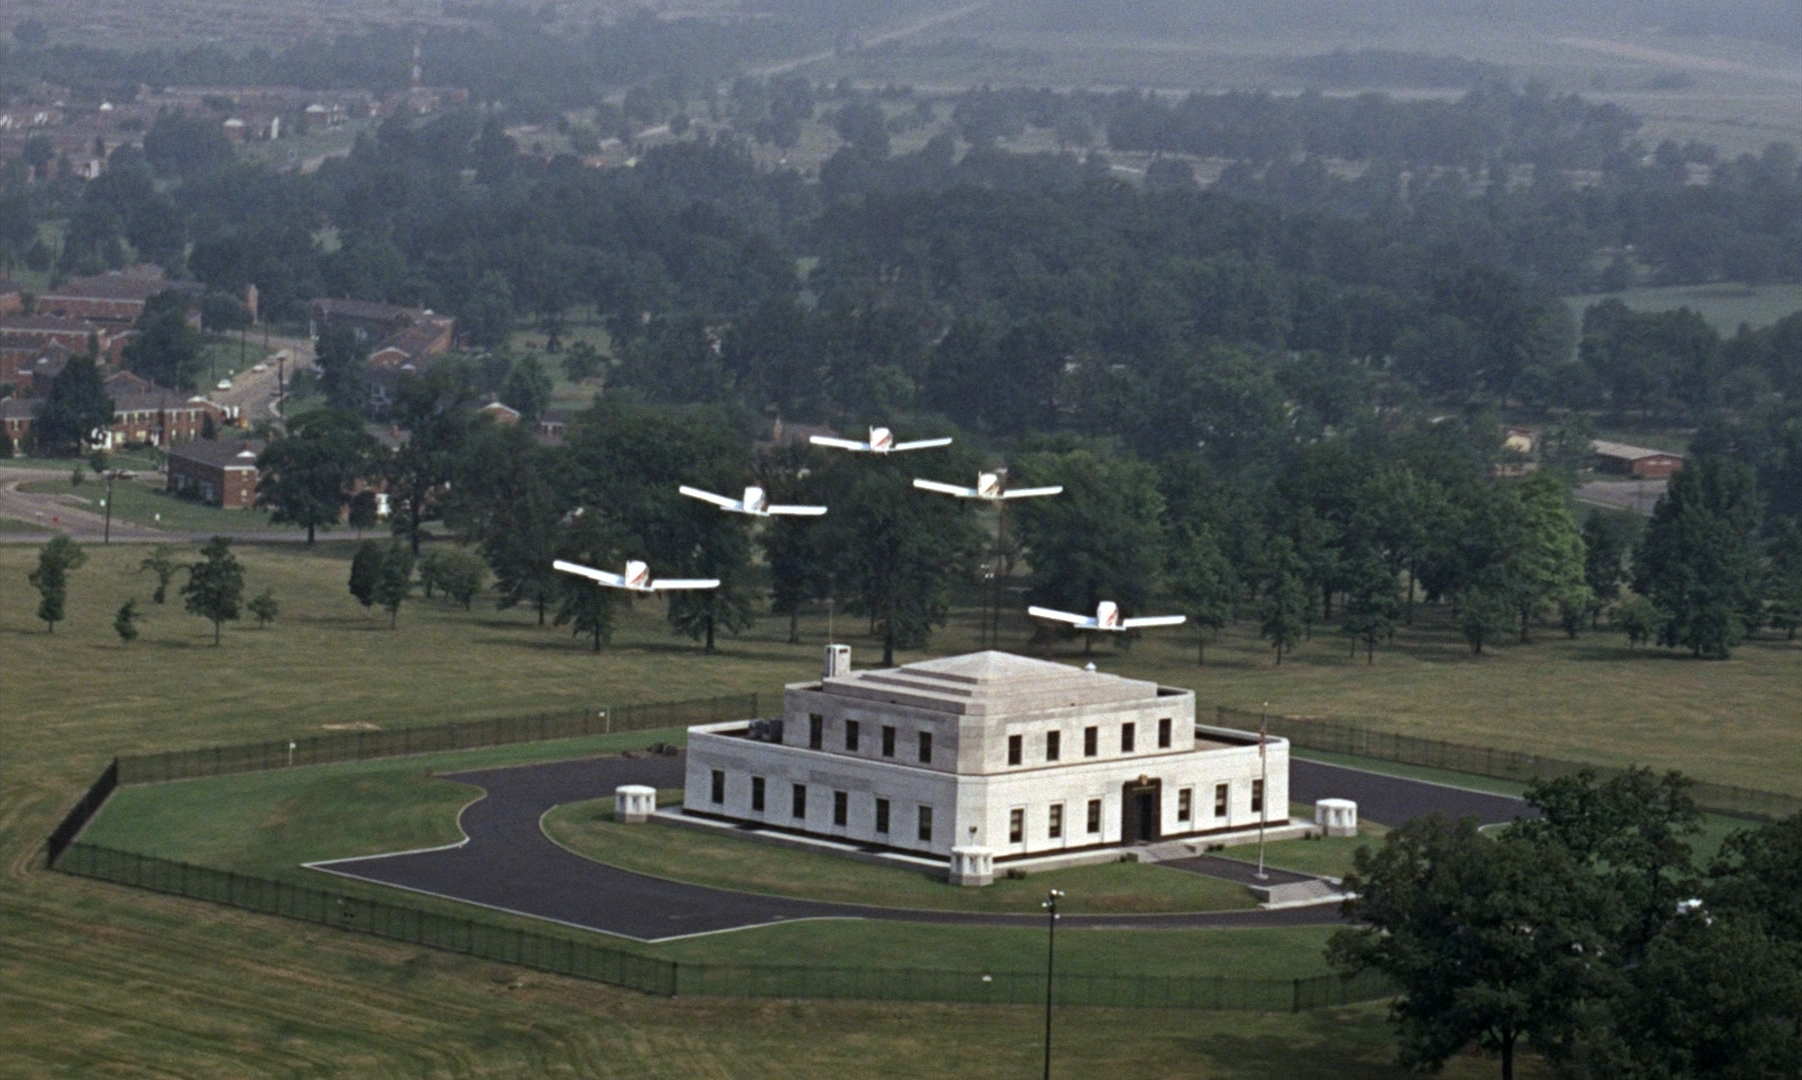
column 988, row 684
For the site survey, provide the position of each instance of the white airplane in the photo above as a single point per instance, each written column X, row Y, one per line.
column 756, row 503
column 988, row 486
column 1106, row 617
column 882, row 441
column 637, row 578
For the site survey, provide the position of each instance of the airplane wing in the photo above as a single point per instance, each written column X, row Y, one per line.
column 1087, row 622
column 1153, row 620
column 946, row 489
column 708, row 496
column 921, row 444
column 796, row 511
column 602, row 576
column 1027, row 493
column 685, row 583
column 842, row 444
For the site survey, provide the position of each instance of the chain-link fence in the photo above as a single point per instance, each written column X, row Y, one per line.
column 340, row 746
column 396, row 921
column 1358, row 740
column 77, row 818
column 402, row 921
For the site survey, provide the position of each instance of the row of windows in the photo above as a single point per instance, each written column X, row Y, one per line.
column 1091, row 742
column 816, row 738
column 841, row 805
column 1185, row 811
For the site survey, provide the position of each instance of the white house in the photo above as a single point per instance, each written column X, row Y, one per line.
column 1002, row 755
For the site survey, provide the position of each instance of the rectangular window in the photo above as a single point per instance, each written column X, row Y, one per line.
column 1164, row 733
column 841, row 807
column 925, row 747
column 1014, row 749
column 1185, row 804
column 800, row 801
column 882, row 816
column 1053, row 747
column 1095, row 815
column 719, row 786
column 1091, row 741
column 757, row 794
column 1220, row 792
column 1054, row 827
column 1126, row 738
column 851, row 733
column 1257, row 796
column 888, row 741
column 816, row 731
column 1016, row 826
column 925, row 832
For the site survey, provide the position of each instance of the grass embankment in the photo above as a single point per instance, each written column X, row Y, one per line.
column 102, row 977
column 1726, row 305
column 733, row 862
column 143, row 502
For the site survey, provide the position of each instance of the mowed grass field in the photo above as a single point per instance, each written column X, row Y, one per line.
column 104, row 979
column 1725, row 305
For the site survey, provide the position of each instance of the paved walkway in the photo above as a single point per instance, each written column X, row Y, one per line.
column 507, row 863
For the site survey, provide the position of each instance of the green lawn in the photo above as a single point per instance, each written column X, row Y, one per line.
column 143, row 502
column 1726, row 305
column 733, row 862
column 119, row 980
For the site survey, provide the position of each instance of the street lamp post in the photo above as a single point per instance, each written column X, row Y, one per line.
column 1050, row 906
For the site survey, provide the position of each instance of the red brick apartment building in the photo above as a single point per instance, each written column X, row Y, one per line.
column 220, row 472
column 116, row 298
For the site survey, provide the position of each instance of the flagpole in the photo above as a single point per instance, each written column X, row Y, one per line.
column 1263, row 785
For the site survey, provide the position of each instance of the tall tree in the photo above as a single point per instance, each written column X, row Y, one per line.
column 394, row 581
column 1542, row 557
column 1283, row 597
column 1101, row 539
column 161, row 562
column 76, row 410
column 896, row 552
column 215, row 587
column 590, row 607
column 1372, row 604
column 308, row 476
column 1490, row 942
column 1203, row 581
column 343, row 362
column 166, row 349
column 366, row 572
column 1696, row 561
column 51, row 578
column 1607, row 538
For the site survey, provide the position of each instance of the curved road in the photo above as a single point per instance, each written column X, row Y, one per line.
column 507, row 862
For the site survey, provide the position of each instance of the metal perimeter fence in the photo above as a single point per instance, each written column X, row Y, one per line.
column 477, row 937
column 340, row 746
column 1357, row 740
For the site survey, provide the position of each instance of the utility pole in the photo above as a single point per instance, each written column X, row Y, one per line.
column 1050, row 906
column 106, row 536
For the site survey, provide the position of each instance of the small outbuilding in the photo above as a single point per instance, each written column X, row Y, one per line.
column 1639, row 462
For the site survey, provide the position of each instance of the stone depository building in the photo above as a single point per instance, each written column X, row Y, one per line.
column 982, row 759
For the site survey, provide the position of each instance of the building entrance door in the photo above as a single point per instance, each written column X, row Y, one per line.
column 1141, row 811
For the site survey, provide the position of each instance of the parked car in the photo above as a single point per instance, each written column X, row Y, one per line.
column 224, row 384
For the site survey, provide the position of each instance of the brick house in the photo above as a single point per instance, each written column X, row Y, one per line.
column 39, row 331
column 116, row 298
column 30, row 371
column 220, row 472
column 1639, row 462
column 160, row 418
column 16, row 417
column 406, row 351
column 375, row 323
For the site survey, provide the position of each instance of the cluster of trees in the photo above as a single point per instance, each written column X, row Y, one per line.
column 1588, row 935
column 1347, row 532
column 214, row 589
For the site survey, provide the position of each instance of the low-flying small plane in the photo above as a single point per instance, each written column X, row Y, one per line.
column 988, row 486
column 637, row 577
column 1106, row 617
column 882, row 441
column 756, row 503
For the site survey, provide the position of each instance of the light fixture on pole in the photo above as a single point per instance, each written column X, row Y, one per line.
column 1050, row 906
